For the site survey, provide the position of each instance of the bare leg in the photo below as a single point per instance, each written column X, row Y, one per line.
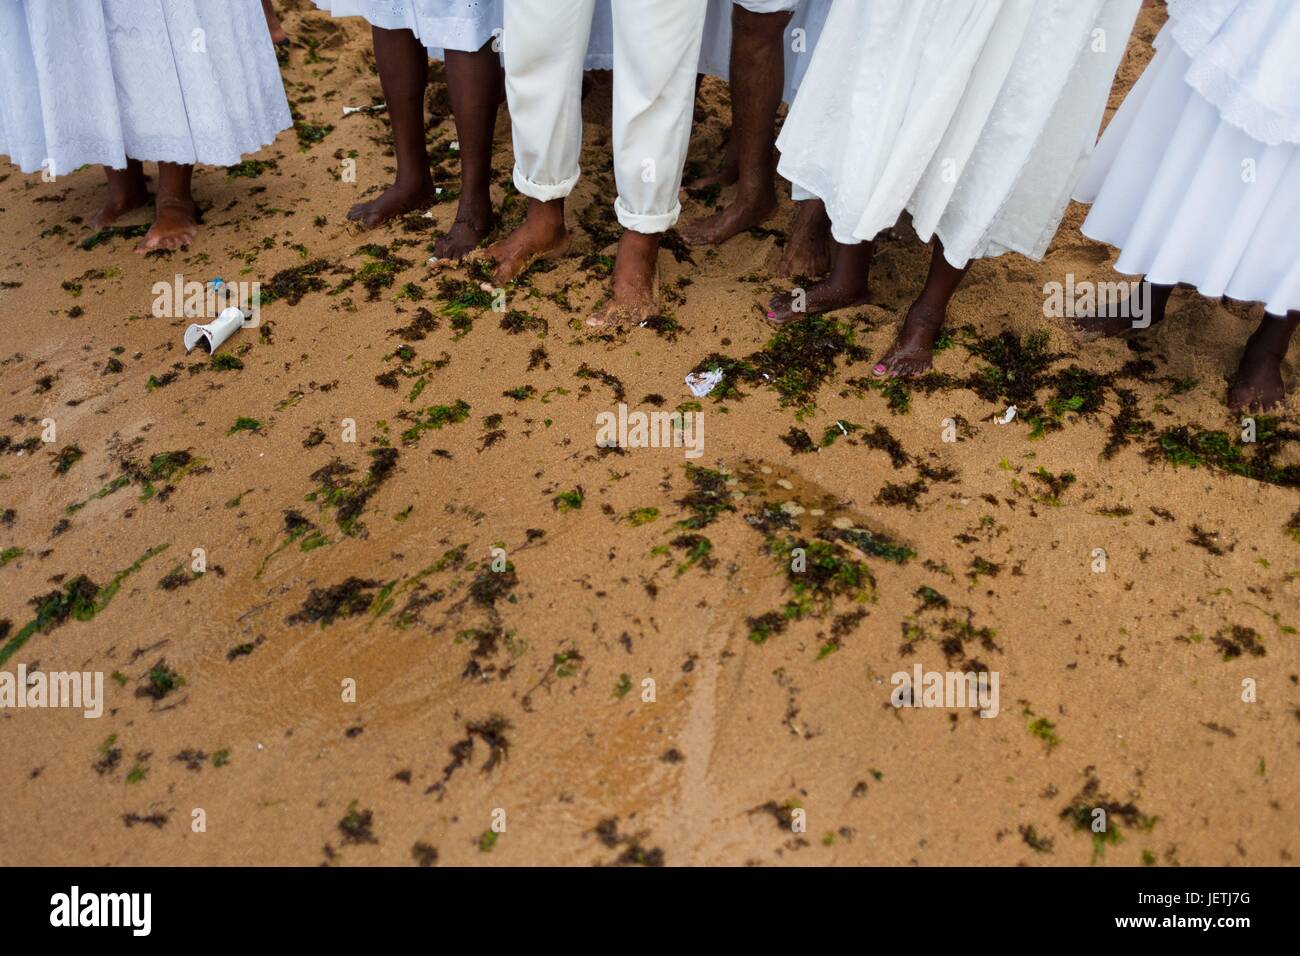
column 476, row 85
column 403, row 73
column 1149, row 300
column 633, row 298
column 542, row 233
column 728, row 173
column 126, row 191
column 757, row 71
column 808, row 253
column 912, row 351
column 847, row 285
column 278, row 36
column 175, row 221
column 1257, row 383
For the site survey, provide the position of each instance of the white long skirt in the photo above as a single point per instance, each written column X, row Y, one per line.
column 463, row 25
column 101, row 81
column 976, row 116
column 1188, row 197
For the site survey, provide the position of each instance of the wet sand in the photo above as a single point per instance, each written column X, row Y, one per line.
column 518, row 694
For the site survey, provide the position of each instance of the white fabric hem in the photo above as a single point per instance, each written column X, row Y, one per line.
column 545, row 192
column 647, row 223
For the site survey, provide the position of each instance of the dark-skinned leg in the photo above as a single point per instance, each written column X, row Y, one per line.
column 913, row 349
column 757, row 75
column 126, row 191
column 632, row 298
column 1153, row 298
column 808, row 250
column 1257, row 383
column 728, row 172
column 175, row 219
column 403, row 73
column 278, row 36
column 542, row 233
column 847, row 285
column 476, row 86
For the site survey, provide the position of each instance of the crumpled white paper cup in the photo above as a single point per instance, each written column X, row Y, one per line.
column 215, row 332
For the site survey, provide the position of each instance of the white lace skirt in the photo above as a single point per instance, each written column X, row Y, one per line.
column 976, row 116
column 438, row 24
column 98, row 81
column 1188, row 197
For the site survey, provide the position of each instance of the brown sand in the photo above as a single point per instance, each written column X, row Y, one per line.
column 1114, row 690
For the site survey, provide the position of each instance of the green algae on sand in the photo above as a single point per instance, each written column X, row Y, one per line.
column 80, row 599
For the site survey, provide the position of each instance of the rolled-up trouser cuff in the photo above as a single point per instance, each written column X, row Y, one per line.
column 648, row 223
column 545, row 193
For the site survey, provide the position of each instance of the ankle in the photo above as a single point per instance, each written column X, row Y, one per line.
column 174, row 202
column 759, row 190
column 413, row 182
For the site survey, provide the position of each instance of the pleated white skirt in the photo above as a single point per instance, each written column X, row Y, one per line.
column 976, row 116
column 98, row 81
column 1187, row 197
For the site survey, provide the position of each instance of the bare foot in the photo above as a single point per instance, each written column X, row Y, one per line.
column 174, row 226
column 632, row 299
column 727, row 175
column 913, row 350
column 126, row 190
column 469, row 229
column 808, row 253
column 1145, row 308
column 745, row 212
column 1257, row 383
column 117, row 205
column 837, row 290
column 542, row 234
column 397, row 200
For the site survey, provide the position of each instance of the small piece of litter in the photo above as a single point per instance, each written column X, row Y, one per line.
column 213, row 333
column 701, row 383
column 372, row 108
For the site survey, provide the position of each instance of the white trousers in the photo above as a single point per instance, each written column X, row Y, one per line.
column 656, row 48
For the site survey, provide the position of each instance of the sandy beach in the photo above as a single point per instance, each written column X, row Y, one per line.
column 642, row 678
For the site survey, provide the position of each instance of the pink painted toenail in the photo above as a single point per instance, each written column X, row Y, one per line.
column 880, row 370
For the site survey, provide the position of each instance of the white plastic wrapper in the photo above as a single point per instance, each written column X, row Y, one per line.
column 701, row 383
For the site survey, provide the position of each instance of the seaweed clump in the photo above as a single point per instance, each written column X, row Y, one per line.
column 348, row 598
column 1194, row 447
column 293, row 283
column 349, row 496
column 796, row 361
